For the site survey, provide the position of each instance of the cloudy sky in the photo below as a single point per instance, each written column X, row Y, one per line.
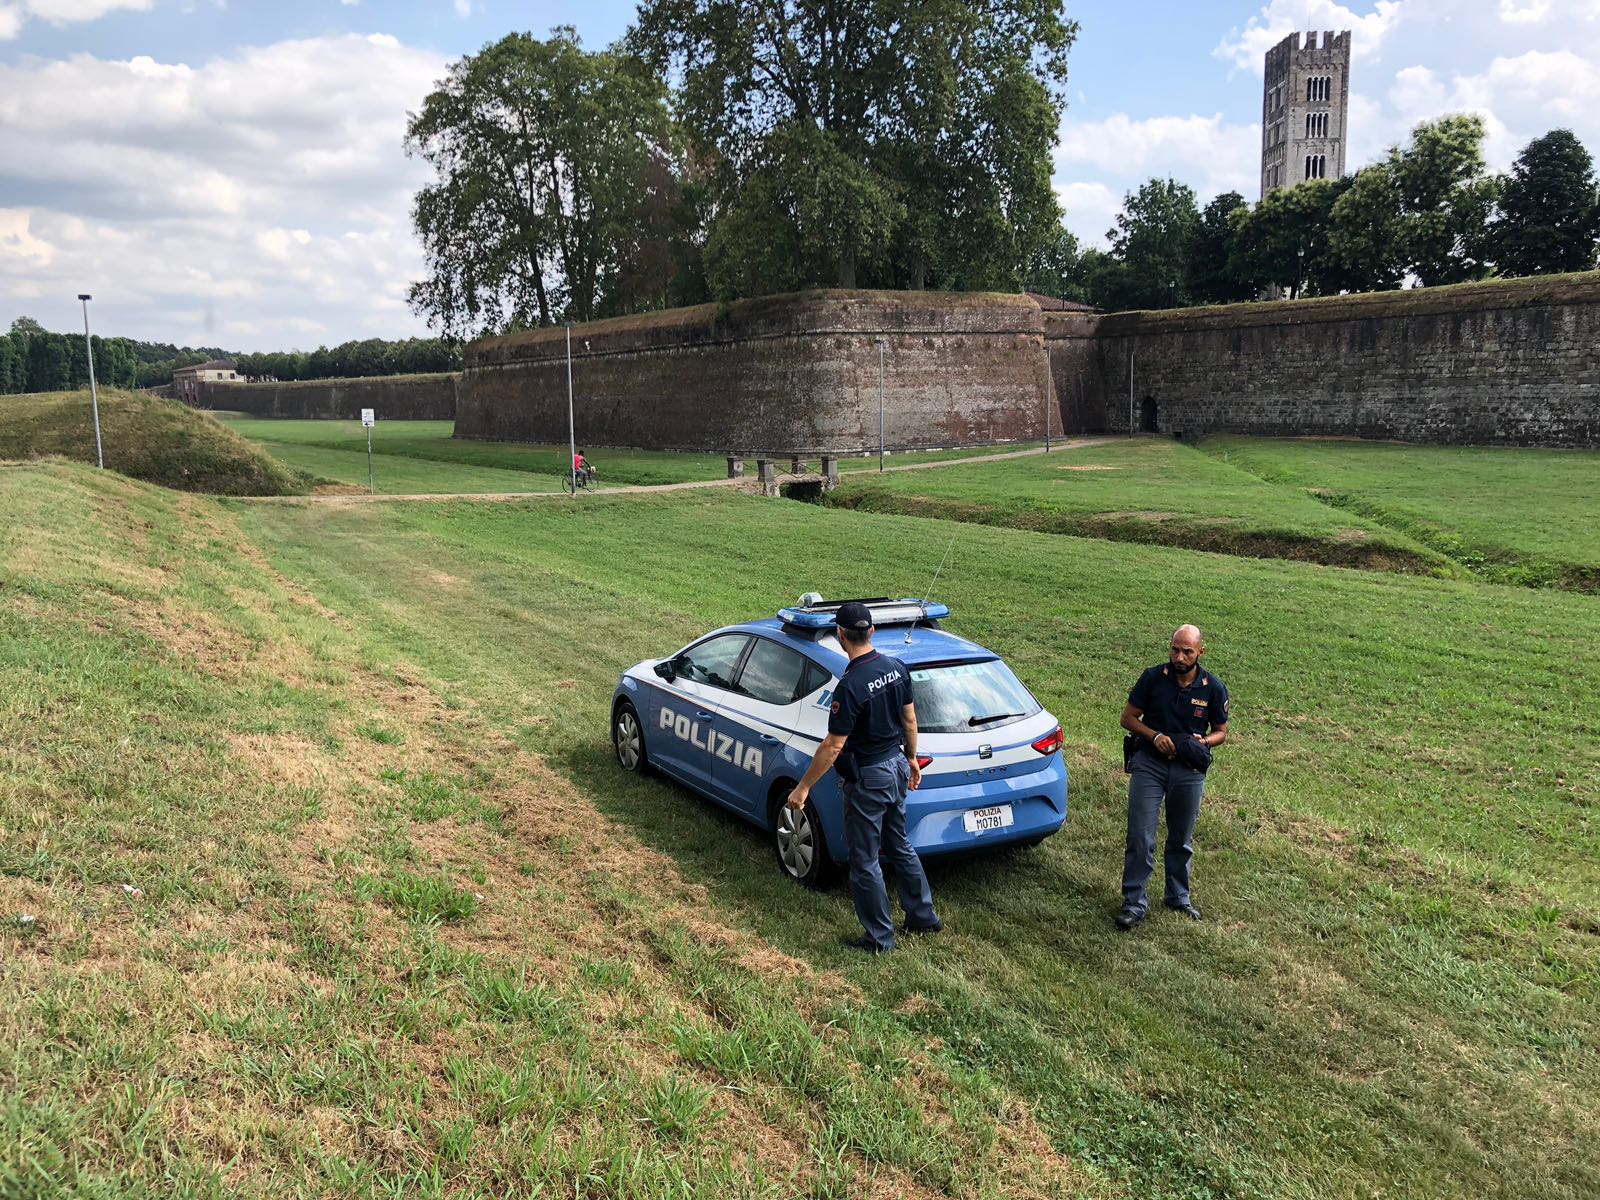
column 231, row 173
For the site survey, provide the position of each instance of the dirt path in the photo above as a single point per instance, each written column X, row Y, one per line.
column 744, row 483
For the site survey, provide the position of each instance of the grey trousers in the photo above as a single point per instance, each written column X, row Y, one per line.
column 875, row 825
column 1154, row 780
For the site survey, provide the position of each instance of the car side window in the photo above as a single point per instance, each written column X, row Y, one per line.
column 712, row 662
column 773, row 673
column 816, row 677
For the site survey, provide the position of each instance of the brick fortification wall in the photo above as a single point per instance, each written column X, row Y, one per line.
column 782, row 374
column 1514, row 362
column 393, row 398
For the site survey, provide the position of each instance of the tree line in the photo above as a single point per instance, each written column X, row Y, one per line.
column 33, row 359
column 1428, row 212
column 728, row 148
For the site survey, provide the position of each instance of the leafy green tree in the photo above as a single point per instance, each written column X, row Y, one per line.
column 1446, row 198
column 1057, row 269
column 868, row 141
column 1283, row 241
column 1211, row 279
column 1549, row 217
column 1150, row 249
column 1366, row 236
column 541, row 150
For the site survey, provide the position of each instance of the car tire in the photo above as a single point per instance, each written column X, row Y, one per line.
column 627, row 739
column 798, row 842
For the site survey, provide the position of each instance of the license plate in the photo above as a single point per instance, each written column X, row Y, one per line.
column 981, row 820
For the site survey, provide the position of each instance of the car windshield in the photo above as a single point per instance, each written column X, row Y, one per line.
column 969, row 697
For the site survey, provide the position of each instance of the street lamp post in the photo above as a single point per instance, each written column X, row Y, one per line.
column 572, row 429
column 94, row 392
column 883, row 345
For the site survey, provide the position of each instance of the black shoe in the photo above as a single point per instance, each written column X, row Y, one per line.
column 1128, row 918
column 1187, row 910
column 866, row 945
column 909, row 930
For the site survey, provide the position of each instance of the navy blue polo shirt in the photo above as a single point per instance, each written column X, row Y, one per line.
column 1179, row 711
column 866, row 709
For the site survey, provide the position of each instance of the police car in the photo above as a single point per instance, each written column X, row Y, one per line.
column 738, row 714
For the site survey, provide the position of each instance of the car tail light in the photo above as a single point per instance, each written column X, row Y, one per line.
column 1050, row 742
column 922, row 761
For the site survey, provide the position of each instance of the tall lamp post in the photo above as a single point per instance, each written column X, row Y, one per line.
column 572, row 430
column 883, row 345
column 94, row 392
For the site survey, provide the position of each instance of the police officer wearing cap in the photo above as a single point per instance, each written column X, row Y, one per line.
column 1180, row 713
column 872, row 743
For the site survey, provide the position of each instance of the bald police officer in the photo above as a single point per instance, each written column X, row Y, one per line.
column 1181, row 712
column 872, row 743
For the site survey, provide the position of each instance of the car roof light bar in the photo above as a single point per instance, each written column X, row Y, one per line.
column 820, row 614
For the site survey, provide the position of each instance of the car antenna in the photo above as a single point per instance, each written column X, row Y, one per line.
column 923, row 607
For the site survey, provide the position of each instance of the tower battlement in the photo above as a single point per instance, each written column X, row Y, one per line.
column 1304, row 106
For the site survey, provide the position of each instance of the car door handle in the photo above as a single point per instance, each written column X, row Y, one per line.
column 705, row 716
column 768, row 738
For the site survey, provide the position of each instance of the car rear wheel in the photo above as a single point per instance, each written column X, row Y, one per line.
column 799, row 844
column 627, row 738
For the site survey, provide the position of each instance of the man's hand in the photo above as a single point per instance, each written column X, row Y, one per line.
column 916, row 774
column 1168, row 749
column 798, row 797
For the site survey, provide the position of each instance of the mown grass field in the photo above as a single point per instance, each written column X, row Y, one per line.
column 1146, row 490
column 404, row 926
column 1523, row 516
column 315, row 445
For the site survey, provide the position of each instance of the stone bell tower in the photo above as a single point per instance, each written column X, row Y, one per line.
column 1304, row 106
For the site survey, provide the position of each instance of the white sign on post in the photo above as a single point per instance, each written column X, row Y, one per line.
column 367, row 418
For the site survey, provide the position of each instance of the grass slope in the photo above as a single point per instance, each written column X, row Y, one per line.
column 145, row 437
column 1396, row 990
column 1147, row 490
column 1519, row 516
column 280, row 916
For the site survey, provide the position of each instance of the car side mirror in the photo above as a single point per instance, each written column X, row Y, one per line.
column 666, row 670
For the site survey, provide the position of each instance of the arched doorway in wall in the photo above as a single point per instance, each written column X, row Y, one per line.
column 1148, row 422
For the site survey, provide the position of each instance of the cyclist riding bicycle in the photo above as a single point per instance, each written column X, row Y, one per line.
column 583, row 470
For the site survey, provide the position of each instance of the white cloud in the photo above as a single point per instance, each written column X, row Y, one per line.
column 17, row 242
column 59, row 12
column 265, row 194
column 1245, row 48
column 1207, row 153
column 463, row 8
column 1524, row 12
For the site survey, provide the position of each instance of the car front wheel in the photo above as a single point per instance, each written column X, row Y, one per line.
column 799, row 844
column 627, row 737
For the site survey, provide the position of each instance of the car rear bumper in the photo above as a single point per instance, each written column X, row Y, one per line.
column 934, row 815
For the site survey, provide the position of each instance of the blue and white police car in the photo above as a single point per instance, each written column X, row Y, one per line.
column 737, row 715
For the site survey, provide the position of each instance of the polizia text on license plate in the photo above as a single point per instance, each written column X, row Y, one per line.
column 979, row 820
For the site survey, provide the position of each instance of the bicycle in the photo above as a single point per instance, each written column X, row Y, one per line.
column 583, row 477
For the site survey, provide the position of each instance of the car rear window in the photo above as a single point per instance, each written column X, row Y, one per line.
column 969, row 697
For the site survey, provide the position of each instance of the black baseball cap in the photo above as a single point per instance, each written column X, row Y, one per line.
column 853, row 615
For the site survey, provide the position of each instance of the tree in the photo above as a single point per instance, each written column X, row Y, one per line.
column 1056, row 269
column 1549, row 209
column 1283, row 241
column 1150, row 249
column 542, row 151
column 1365, row 234
column 1210, row 278
column 868, row 141
column 1446, row 197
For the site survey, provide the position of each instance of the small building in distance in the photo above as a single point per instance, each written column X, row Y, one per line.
column 1304, row 107
column 186, row 381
